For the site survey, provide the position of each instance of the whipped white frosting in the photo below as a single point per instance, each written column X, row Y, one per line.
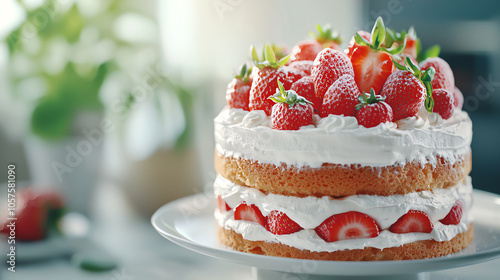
column 309, row 212
column 341, row 140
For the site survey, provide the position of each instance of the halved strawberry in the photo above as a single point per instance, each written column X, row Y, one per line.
column 413, row 221
column 455, row 214
column 221, row 203
column 328, row 66
column 279, row 223
column 353, row 45
column 371, row 61
column 249, row 213
column 265, row 81
column 348, row 225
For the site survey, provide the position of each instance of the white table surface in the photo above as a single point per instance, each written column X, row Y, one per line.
column 144, row 254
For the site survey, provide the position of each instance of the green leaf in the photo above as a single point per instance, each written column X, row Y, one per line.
column 399, row 66
column 419, row 50
column 432, row 52
column 415, row 69
column 378, row 33
column 390, row 37
column 283, row 61
column 253, row 54
column 360, row 40
column 270, row 56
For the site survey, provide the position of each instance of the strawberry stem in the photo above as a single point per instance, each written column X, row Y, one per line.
column 269, row 58
column 289, row 97
column 326, row 34
column 365, row 99
column 379, row 38
column 244, row 73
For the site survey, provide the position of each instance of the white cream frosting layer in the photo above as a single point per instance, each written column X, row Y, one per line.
column 341, row 140
column 309, row 212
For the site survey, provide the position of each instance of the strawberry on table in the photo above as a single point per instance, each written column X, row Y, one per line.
column 408, row 89
column 341, row 98
column 222, row 205
column 371, row 61
column 458, row 98
column 265, row 81
column 279, row 223
column 308, row 50
column 455, row 214
column 305, row 88
column 302, row 65
column 249, row 213
column 328, row 66
column 238, row 90
column 372, row 111
column 348, row 225
column 291, row 110
column 444, row 75
column 413, row 221
column 443, row 103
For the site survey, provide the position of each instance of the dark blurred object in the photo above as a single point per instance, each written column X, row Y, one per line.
column 469, row 36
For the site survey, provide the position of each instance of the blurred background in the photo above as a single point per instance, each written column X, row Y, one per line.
column 111, row 102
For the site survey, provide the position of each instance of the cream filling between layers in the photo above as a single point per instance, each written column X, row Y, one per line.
column 341, row 140
column 309, row 212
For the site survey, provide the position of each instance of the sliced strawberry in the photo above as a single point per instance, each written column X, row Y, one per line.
column 303, row 65
column 291, row 110
column 443, row 103
column 348, row 225
column 444, row 75
column 458, row 98
column 238, row 90
column 328, row 66
column 372, row 111
column 221, row 203
column 353, row 45
column 455, row 214
column 371, row 68
column 249, row 213
column 279, row 223
column 341, row 98
column 305, row 88
column 413, row 221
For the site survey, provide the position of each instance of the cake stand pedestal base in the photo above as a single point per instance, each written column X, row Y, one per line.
column 262, row 274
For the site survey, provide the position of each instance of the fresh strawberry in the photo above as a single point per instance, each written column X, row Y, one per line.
column 328, row 66
column 302, row 65
column 279, row 223
column 305, row 50
column 348, row 225
column 265, row 81
column 305, row 88
column 37, row 213
column 411, row 44
column 443, row 77
column 443, row 103
column 308, row 50
column 238, row 90
column 458, row 98
column 341, row 98
column 249, row 213
column 372, row 111
column 413, row 221
column 406, row 90
column 222, row 205
column 291, row 110
column 455, row 214
column 353, row 45
column 371, row 62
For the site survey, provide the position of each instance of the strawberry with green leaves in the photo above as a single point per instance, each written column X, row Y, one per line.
column 371, row 61
column 308, row 50
column 238, row 90
column 408, row 89
column 352, row 43
column 291, row 110
column 372, row 110
column 264, row 82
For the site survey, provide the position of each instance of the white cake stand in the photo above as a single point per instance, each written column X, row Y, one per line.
column 189, row 222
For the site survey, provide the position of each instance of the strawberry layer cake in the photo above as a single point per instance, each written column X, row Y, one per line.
column 355, row 155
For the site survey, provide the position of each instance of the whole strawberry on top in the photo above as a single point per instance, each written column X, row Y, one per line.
column 372, row 110
column 238, row 90
column 328, row 66
column 444, row 75
column 408, row 89
column 341, row 97
column 291, row 110
column 264, row 83
column 305, row 88
column 371, row 61
column 308, row 50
